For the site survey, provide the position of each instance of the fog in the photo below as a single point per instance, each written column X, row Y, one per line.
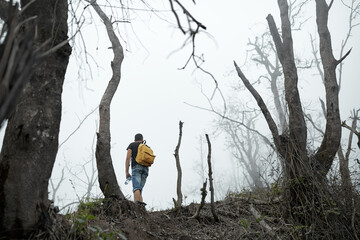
column 154, row 95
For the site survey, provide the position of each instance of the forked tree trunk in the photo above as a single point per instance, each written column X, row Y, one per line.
column 331, row 140
column 31, row 140
column 302, row 172
column 293, row 143
column 107, row 178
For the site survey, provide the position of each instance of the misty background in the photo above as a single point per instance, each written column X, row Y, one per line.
column 154, row 95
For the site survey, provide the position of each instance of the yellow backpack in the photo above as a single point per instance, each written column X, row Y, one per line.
column 145, row 155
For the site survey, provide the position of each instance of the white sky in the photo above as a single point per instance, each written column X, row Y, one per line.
column 151, row 95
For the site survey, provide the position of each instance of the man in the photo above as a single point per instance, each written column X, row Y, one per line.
column 139, row 173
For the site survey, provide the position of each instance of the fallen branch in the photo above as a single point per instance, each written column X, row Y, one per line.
column 262, row 222
column 256, row 201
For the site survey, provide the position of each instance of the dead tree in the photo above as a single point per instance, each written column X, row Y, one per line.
column 216, row 218
column 299, row 166
column 202, row 202
column 245, row 148
column 178, row 203
column 343, row 155
column 107, row 178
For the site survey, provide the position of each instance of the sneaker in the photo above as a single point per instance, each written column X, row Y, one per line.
column 141, row 203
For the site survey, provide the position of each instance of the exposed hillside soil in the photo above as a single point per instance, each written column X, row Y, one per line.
column 239, row 218
column 126, row 220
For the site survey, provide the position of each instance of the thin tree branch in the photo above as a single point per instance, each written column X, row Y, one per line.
column 266, row 140
column 308, row 117
column 343, row 58
column 56, row 188
column 352, row 130
column 270, row 121
column 276, row 36
column 77, row 128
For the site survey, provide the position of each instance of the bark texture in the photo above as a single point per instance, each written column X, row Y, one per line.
column 18, row 58
column 107, row 178
column 31, row 139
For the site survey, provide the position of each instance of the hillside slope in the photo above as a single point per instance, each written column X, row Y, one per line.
column 239, row 218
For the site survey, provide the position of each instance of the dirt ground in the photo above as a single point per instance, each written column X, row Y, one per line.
column 238, row 219
column 249, row 216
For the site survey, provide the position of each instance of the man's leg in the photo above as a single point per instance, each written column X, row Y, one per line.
column 136, row 180
column 137, row 196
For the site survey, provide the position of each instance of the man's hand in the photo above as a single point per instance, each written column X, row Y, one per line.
column 127, row 163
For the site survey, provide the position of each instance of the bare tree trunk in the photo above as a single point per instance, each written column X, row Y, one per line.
column 331, row 140
column 178, row 167
column 296, row 152
column 107, row 178
column 202, row 202
column 31, row 139
column 216, row 218
column 302, row 175
column 347, row 187
column 343, row 159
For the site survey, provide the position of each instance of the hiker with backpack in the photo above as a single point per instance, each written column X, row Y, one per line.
column 141, row 157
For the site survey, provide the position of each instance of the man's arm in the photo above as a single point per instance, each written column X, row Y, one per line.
column 127, row 163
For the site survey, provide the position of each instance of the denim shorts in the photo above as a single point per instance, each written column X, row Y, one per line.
column 139, row 175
